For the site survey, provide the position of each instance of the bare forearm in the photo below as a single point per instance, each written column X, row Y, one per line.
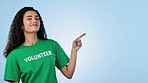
column 72, row 63
column 69, row 69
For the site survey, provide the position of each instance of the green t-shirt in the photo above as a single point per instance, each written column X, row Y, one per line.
column 35, row 63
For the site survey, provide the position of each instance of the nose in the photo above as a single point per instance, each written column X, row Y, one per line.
column 34, row 20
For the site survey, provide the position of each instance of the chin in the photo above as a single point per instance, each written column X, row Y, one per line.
column 35, row 29
column 32, row 31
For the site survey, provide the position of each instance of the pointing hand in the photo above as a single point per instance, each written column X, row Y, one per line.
column 77, row 42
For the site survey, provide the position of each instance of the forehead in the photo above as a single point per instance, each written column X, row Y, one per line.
column 30, row 13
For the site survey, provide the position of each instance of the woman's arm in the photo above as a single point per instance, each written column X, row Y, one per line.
column 69, row 69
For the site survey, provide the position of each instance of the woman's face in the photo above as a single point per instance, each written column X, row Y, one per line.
column 31, row 22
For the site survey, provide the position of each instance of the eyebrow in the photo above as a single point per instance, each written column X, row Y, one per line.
column 31, row 16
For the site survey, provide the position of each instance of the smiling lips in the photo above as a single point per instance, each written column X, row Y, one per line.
column 34, row 25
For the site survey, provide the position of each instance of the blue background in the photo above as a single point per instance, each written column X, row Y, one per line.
column 115, row 49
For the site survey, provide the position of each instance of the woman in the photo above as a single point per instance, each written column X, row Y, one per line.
column 32, row 57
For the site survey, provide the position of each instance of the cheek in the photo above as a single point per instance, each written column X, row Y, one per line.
column 25, row 26
column 39, row 24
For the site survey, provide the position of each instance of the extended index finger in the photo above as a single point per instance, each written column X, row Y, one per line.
column 81, row 35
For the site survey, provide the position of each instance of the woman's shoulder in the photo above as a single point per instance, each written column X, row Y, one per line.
column 49, row 41
column 13, row 53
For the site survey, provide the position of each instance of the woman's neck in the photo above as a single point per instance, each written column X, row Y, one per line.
column 30, row 39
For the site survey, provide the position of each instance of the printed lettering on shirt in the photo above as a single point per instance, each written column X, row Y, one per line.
column 38, row 56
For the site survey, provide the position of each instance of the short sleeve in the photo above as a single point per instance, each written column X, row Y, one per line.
column 61, row 58
column 11, row 70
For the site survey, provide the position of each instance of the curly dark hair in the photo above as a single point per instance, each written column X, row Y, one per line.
column 16, row 34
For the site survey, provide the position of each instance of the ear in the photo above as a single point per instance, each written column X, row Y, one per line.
column 22, row 27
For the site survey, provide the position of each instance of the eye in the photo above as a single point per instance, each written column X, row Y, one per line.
column 29, row 18
column 37, row 18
